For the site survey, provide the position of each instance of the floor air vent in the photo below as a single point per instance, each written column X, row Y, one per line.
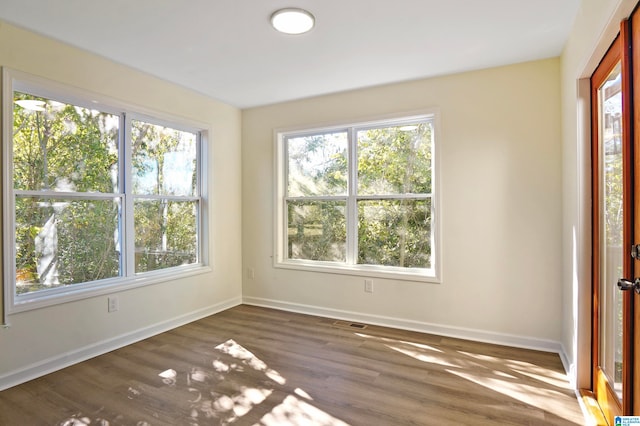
column 347, row 324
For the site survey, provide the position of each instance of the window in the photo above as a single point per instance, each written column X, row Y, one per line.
column 359, row 199
column 96, row 196
column 165, row 196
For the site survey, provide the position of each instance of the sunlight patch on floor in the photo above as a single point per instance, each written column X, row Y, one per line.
column 481, row 357
column 421, row 356
column 503, row 374
column 302, row 394
column 396, row 341
column 295, row 412
column 557, row 377
column 553, row 380
column 240, row 404
column 168, row 376
column 545, row 399
column 217, row 393
column 230, row 347
column 551, row 377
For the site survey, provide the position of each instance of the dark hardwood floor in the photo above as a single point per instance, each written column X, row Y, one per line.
column 251, row 365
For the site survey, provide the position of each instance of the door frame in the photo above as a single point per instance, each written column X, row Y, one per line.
column 619, row 52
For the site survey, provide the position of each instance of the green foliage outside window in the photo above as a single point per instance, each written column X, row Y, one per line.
column 61, row 148
column 68, row 196
column 391, row 194
column 164, row 164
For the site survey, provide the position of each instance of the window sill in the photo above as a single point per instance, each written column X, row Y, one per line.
column 402, row 274
column 72, row 293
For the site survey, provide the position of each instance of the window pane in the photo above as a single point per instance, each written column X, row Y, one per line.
column 62, row 147
column 395, row 160
column 317, row 165
column 61, row 242
column 395, row 233
column 317, row 230
column 611, row 212
column 165, row 234
column 164, row 160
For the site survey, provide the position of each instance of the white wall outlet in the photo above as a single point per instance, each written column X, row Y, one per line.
column 251, row 273
column 113, row 304
column 368, row 286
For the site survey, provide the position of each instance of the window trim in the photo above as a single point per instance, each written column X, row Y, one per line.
column 280, row 260
column 13, row 80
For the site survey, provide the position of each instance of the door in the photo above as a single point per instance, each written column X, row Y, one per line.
column 634, row 129
column 611, row 223
column 614, row 193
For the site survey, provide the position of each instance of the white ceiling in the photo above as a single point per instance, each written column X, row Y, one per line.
column 226, row 49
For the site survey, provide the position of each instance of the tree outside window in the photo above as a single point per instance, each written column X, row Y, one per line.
column 359, row 196
column 76, row 217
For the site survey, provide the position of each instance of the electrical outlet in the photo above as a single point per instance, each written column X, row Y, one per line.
column 113, row 304
column 251, row 273
column 368, row 286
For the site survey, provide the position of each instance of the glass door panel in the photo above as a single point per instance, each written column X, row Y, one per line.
column 611, row 228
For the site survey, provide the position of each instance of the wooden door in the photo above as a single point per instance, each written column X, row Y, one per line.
column 615, row 96
column 634, row 374
column 613, row 229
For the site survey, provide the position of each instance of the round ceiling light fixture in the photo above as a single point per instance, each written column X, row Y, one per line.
column 292, row 21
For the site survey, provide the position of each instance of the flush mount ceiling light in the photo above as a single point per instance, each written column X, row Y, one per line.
column 292, row 21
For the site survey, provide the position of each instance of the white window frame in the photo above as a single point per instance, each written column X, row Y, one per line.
column 13, row 80
column 280, row 258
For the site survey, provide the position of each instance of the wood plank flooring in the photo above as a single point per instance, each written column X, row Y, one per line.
column 257, row 366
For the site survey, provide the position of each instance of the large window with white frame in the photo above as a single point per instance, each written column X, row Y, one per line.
column 359, row 199
column 97, row 196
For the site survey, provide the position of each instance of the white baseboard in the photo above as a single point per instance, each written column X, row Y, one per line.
column 404, row 324
column 61, row 361
column 569, row 368
column 82, row 354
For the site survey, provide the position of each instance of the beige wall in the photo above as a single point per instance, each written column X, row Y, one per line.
column 43, row 339
column 595, row 28
column 500, row 151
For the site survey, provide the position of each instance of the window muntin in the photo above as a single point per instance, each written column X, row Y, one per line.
column 359, row 198
column 68, row 202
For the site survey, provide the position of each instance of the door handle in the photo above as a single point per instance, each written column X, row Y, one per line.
column 624, row 285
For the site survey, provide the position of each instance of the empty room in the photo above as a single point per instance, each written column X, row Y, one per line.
column 320, row 213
